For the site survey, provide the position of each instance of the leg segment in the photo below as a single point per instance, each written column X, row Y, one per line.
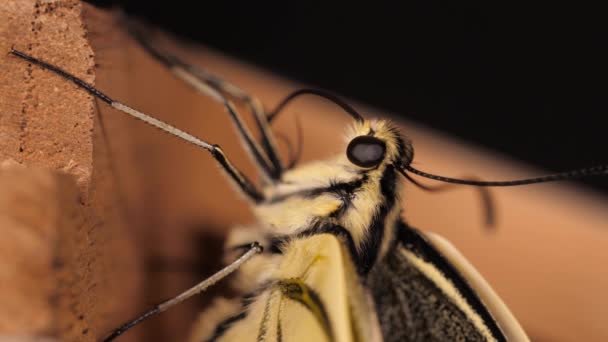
column 266, row 155
column 243, row 183
column 200, row 287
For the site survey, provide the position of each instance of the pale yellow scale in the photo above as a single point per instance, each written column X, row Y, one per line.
column 323, row 265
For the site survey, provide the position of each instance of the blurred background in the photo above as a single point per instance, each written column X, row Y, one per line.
column 493, row 90
column 521, row 79
column 495, row 85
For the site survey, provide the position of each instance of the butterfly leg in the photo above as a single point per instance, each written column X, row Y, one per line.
column 485, row 196
column 265, row 155
column 250, row 282
column 258, row 272
column 254, row 249
column 244, row 184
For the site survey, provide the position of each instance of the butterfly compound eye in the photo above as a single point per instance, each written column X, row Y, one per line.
column 366, row 151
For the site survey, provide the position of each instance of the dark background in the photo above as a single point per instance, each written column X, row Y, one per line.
column 526, row 80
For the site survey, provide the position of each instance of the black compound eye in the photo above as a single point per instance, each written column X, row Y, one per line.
column 366, row 151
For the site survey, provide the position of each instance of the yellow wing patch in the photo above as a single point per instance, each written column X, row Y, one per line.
column 314, row 296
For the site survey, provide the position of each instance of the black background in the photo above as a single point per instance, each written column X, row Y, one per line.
column 525, row 80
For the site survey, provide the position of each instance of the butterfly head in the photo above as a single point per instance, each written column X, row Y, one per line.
column 376, row 144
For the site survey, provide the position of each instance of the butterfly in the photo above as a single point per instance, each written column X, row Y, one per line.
column 330, row 257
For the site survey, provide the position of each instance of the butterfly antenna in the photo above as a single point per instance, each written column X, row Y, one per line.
column 567, row 175
column 254, row 249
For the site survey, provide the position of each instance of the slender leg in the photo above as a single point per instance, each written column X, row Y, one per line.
column 243, row 183
column 487, row 203
column 255, row 248
column 265, row 156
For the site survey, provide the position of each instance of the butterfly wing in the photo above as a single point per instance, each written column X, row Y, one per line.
column 314, row 295
column 425, row 290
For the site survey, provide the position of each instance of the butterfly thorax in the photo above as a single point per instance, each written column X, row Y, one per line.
column 337, row 196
